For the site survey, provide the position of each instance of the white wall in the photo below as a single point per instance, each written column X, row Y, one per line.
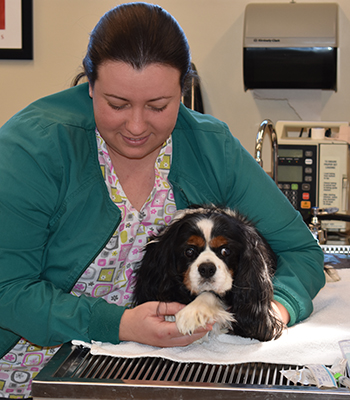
column 215, row 32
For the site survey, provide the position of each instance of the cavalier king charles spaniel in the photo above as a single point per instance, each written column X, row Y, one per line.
column 216, row 262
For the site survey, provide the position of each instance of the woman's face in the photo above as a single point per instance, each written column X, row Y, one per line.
column 135, row 110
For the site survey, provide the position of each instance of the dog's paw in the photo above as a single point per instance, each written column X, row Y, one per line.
column 190, row 318
column 205, row 309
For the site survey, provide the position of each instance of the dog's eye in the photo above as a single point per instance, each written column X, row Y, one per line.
column 190, row 252
column 225, row 252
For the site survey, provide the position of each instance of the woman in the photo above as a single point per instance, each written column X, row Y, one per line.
column 71, row 235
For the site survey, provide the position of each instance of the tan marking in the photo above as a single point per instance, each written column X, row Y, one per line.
column 196, row 241
column 187, row 280
column 218, row 241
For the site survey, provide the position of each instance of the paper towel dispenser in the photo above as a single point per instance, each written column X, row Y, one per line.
column 290, row 46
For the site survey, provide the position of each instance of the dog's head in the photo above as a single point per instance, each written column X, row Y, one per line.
column 206, row 249
column 208, row 246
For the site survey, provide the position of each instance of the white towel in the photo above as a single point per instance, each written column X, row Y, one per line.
column 313, row 341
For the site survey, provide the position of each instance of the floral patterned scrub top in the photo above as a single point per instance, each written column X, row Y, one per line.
column 109, row 276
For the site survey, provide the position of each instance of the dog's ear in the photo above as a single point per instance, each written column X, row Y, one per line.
column 253, row 290
column 156, row 277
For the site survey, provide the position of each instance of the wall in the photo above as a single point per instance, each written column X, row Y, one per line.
column 215, row 32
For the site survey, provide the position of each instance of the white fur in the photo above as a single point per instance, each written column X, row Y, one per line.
column 221, row 281
column 204, row 309
column 206, row 226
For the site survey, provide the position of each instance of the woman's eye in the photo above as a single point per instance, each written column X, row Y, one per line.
column 225, row 252
column 190, row 252
column 115, row 107
column 158, row 109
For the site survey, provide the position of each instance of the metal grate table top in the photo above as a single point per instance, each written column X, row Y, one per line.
column 73, row 373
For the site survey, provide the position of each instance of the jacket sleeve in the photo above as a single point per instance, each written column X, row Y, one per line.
column 32, row 305
column 299, row 275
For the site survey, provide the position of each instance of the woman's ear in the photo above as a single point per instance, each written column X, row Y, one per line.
column 91, row 90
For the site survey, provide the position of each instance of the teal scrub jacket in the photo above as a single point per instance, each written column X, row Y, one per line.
column 56, row 216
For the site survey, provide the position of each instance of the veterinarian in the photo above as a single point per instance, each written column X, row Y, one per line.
column 88, row 174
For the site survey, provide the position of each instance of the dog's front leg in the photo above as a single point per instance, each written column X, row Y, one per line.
column 205, row 309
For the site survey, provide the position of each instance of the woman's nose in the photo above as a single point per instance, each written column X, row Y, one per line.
column 136, row 123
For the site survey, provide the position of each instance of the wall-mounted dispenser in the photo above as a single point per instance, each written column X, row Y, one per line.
column 290, row 46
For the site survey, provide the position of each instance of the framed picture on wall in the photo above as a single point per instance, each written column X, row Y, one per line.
column 16, row 29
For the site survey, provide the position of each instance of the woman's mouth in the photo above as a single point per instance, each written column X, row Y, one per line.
column 136, row 141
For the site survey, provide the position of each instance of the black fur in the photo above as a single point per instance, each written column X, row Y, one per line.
column 160, row 276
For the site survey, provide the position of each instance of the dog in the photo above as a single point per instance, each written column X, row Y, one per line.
column 216, row 262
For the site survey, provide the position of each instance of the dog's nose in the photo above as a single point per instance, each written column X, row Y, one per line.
column 207, row 270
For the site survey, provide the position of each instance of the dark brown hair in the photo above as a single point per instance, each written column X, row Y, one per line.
column 138, row 34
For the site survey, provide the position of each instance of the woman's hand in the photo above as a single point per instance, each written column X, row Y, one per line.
column 146, row 324
column 281, row 311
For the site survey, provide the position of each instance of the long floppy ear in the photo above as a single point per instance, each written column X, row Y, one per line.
column 156, row 276
column 253, row 290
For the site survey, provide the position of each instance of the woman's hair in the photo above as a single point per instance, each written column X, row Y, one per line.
column 138, row 34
